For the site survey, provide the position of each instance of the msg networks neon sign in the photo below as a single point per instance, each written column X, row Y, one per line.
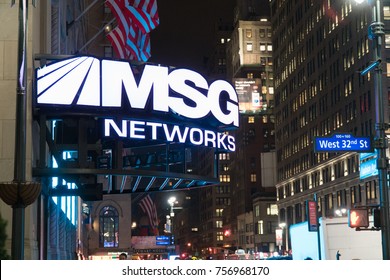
column 81, row 83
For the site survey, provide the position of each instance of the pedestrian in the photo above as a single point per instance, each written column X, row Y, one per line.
column 338, row 255
column 123, row 256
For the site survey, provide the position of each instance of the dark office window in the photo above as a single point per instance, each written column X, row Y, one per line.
column 356, row 196
column 341, row 199
column 329, row 205
column 371, row 191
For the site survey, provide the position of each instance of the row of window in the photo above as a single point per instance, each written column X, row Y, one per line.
column 327, row 174
column 315, row 110
column 261, row 32
column 272, row 209
column 329, row 205
column 306, row 161
column 109, row 225
column 263, row 47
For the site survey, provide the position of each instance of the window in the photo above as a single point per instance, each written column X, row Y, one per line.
column 253, row 177
column 269, row 47
column 356, row 196
column 249, row 46
column 262, row 47
column 248, row 33
column 260, row 227
column 387, row 41
column 218, row 224
column 251, row 119
column 225, row 167
column 257, row 210
column 329, row 204
column 224, row 156
column 341, row 199
column 224, row 178
column 272, row 209
column 108, row 227
column 386, row 12
column 219, row 212
column 107, row 9
column 371, row 190
column 262, row 33
column 108, row 51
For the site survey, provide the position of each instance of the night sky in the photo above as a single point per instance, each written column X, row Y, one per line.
column 184, row 36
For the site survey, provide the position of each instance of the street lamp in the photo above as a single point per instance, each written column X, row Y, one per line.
column 375, row 33
column 339, row 212
column 171, row 201
column 168, row 224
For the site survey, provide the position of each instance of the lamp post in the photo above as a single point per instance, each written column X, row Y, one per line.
column 171, row 201
column 375, row 33
column 20, row 193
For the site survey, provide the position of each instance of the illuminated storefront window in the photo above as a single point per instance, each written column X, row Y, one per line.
column 109, row 227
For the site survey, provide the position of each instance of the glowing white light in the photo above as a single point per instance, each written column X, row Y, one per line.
column 87, row 81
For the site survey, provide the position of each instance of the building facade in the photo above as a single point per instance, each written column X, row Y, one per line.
column 319, row 49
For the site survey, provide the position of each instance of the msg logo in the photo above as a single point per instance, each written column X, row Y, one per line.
column 88, row 81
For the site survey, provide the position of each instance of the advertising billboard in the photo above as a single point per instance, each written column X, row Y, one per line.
column 252, row 96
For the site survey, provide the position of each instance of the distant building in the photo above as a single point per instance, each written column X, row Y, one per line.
column 245, row 232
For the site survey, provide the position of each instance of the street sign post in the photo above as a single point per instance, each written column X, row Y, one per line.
column 342, row 142
column 162, row 240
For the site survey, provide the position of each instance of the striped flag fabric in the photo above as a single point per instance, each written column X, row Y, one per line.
column 135, row 18
column 144, row 14
column 143, row 44
column 118, row 8
column 117, row 40
column 133, row 43
column 149, row 208
column 118, row 36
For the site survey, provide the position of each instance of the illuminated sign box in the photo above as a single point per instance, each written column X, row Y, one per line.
column 154, row 103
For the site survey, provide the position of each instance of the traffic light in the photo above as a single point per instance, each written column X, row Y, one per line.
column 358, row 218
column 376, row 212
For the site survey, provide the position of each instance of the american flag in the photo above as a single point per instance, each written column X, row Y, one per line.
column 144, row 14
column 131, row 39
column 117, row 40
column 148, row 207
